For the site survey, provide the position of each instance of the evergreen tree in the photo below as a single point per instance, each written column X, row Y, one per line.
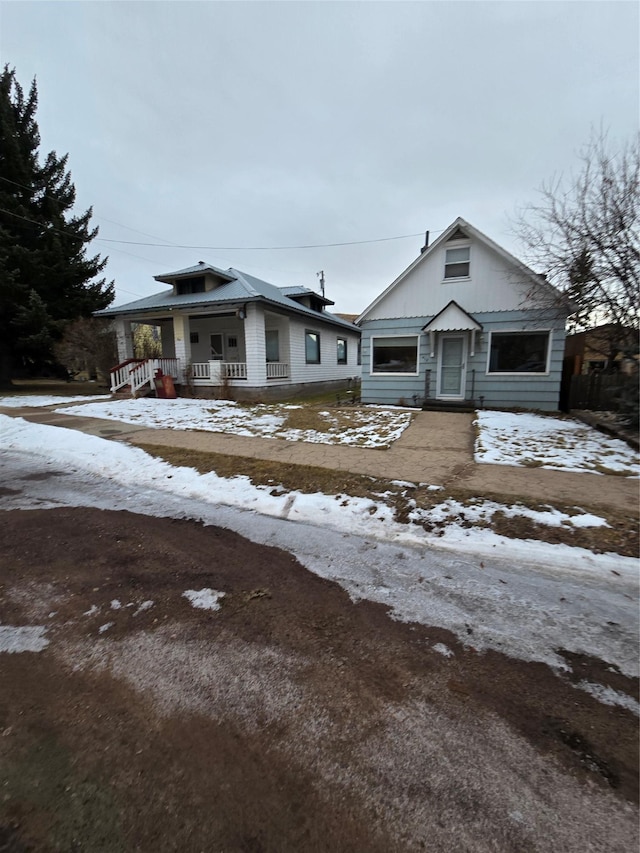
column 46, row 278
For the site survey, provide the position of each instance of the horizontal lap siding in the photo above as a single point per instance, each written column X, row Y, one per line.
column 392, row 389
column 530, row 392
column 498, row 391
column 328, row 369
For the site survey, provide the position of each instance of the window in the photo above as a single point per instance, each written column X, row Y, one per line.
column 232, row 341
column 394, row 355
column 272, row 343
column 359, row 351
column 342, row 350
column 190, row 285
column 194, row 337
column 312, row 347
column 457, row 263
column 519, row 352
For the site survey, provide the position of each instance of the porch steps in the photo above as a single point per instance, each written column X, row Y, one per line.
column 449, row 406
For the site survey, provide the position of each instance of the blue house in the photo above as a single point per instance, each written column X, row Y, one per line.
column 466, row 324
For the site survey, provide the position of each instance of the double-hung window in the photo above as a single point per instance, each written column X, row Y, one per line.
column 457, row 263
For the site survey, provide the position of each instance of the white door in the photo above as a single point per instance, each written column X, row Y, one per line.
column 452, row 366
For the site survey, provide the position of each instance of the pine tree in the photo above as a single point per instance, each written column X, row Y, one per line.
column 46, row 278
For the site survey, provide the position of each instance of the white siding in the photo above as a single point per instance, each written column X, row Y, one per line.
column 328, row 369
column 493, row 285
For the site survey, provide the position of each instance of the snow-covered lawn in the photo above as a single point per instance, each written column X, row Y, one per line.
column 504, row 438
column 361, row 427
column 537, row 441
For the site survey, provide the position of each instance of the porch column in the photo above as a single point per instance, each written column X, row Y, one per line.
column 182, row 341
column 124, row 339
column 256, row 346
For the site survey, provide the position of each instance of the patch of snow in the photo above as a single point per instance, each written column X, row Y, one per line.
column 29, row 638
column 92, row 610
column 115, row 604
column 565, row 444
column 24, row 401
column 204, row 599
column 443, row 650
column 146, row 605
column 105, row 627
column 610, row 696
column 587, row 520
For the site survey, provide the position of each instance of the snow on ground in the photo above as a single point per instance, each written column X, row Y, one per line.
column 504, row 438
column 20, row 401
column 29, row 638
column 204, row 599
column 362, row 427
column 131, row 466
column 507, row 438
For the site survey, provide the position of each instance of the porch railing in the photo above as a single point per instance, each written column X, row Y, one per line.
column 277, row 370
column 137, row 372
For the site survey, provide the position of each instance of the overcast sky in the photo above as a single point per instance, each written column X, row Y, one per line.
column 237, row 124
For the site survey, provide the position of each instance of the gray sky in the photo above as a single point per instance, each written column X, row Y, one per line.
column 238, row 124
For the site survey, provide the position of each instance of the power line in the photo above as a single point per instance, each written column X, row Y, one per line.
column 169, row 245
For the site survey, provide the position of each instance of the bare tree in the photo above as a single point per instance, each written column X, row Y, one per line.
column 584, row 234
column 89, row 345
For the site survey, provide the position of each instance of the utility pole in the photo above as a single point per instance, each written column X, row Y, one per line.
column 321, row 277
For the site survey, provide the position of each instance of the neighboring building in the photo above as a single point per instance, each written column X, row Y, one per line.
column 227, row 327
column 610, row 348
column 466, row 324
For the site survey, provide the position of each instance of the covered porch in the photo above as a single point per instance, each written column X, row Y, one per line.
column 247, row 347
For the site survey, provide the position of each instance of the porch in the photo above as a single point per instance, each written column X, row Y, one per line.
column 139, row 374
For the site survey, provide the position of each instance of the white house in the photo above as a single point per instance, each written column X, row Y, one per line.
column 226, row 326
column 466, row 324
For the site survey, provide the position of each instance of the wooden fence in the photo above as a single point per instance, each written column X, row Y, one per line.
column 600, row 391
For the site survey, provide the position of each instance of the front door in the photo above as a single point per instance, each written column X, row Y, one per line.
column 452, row 366
column 217, row 347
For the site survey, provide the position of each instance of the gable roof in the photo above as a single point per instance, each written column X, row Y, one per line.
column 458, row 229
column 453, row 318
column 238, row 287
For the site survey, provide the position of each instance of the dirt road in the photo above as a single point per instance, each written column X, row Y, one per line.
column 291, row 719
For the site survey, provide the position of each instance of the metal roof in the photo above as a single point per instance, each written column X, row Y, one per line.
column 241, row 287
column 200, row 267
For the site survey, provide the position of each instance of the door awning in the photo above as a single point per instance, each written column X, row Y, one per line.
column 452, row 318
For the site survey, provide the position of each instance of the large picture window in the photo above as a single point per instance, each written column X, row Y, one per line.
column 519, row 352
column 312, row 347
column 394, row 355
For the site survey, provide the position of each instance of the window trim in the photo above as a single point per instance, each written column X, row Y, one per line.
column 344, row 360
column 545, row 372
column 466, row 277
column 306, row 356
column 388, row 373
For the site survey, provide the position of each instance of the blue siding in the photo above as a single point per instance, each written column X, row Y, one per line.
column 499, row 391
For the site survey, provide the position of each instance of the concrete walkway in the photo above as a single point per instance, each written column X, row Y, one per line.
column 436, row 449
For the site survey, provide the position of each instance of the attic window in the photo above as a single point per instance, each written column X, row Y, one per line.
column 457, row 263
column 190, row 285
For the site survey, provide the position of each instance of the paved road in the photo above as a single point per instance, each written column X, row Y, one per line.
column 522, row 608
